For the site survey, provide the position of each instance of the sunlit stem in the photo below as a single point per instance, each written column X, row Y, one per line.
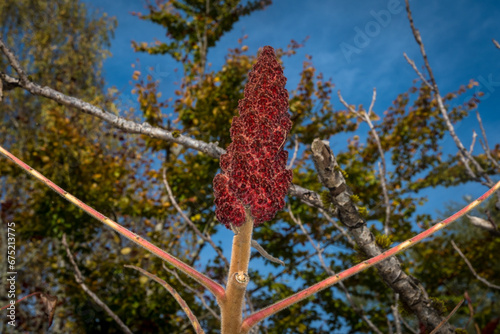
column 258, row 316
column 208, row 283
column 237, row 281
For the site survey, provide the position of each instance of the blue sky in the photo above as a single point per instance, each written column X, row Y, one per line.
column 457, row 35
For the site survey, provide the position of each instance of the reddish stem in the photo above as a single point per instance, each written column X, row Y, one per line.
column 208, row 283
column 258, row 316
column 21, row 299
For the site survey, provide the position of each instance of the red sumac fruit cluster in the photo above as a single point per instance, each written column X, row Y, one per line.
column 254, row 173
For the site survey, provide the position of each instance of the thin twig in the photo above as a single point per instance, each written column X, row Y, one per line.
column 474, row 136
column 342, row 230
column 294, row 156
column 471, row 268
column 193, row 290
column 265, row 254
column 496, row 43
column 13, row 61
column 448, row 317
column 382, row 169
column 93, row 296
column 389, row 326
column 177, row 297
column 21, row 299
column 464, row 155
column 421, row 76
column 386, row 198
column 408, row 327
column 471, row 309
column 395, row 313
column 204, row 237
column 486, row 146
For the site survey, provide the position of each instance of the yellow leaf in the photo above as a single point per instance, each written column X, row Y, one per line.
column 126, row 250
column 143, row 279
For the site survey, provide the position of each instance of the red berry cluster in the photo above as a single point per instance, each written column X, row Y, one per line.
column 254, row 173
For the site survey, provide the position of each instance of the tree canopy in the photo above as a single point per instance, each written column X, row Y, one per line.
column 62, row 45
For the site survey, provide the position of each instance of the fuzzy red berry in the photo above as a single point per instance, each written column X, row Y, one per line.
column 254, row 173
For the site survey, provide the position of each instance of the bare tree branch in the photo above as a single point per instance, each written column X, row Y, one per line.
column 382, row 170
column 421, row 76
column 177, row 297
column 204, row 237
column 395, row 313
column 486, row 146
column 174, row 273
column 93, row 296
column 389, row 326
column 408, row 327
column 496, row 43
column 471, row 268
column 484, row 224
column 265, row 254
column 338, row 227
column 410, row 291
column 13, row 62
column 294, row 156
column 474, row 136
column 464, row 155
column 448, row 317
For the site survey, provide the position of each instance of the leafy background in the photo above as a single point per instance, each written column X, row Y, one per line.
column 110, row 58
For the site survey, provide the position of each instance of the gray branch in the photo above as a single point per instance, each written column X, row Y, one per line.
column 265, row 254
column 93, row 296
column 484, row 224
column 464, row 155
column 204, row 237
column 410, row 291
column 471, row 268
